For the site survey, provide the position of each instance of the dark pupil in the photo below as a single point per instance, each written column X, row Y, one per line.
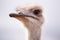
column 36, row 12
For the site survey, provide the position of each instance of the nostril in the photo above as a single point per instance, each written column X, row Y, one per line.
column 20, row 13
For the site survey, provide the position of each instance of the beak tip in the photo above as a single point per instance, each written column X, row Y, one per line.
column 10, row 15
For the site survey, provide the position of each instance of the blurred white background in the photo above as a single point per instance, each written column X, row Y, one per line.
column 12, row 29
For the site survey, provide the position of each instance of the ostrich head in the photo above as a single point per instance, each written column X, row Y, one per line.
column 31, row 16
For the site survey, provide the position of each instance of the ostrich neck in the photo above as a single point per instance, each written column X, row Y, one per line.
column 34, row 30
column 35, row 34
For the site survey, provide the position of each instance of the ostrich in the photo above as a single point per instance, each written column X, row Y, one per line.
column 31, row 16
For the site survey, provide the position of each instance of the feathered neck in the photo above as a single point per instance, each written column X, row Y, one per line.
column 35, row 34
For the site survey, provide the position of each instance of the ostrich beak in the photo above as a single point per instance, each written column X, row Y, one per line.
column 18, row 15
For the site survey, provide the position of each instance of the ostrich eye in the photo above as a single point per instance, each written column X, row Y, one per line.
column 36, row 12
